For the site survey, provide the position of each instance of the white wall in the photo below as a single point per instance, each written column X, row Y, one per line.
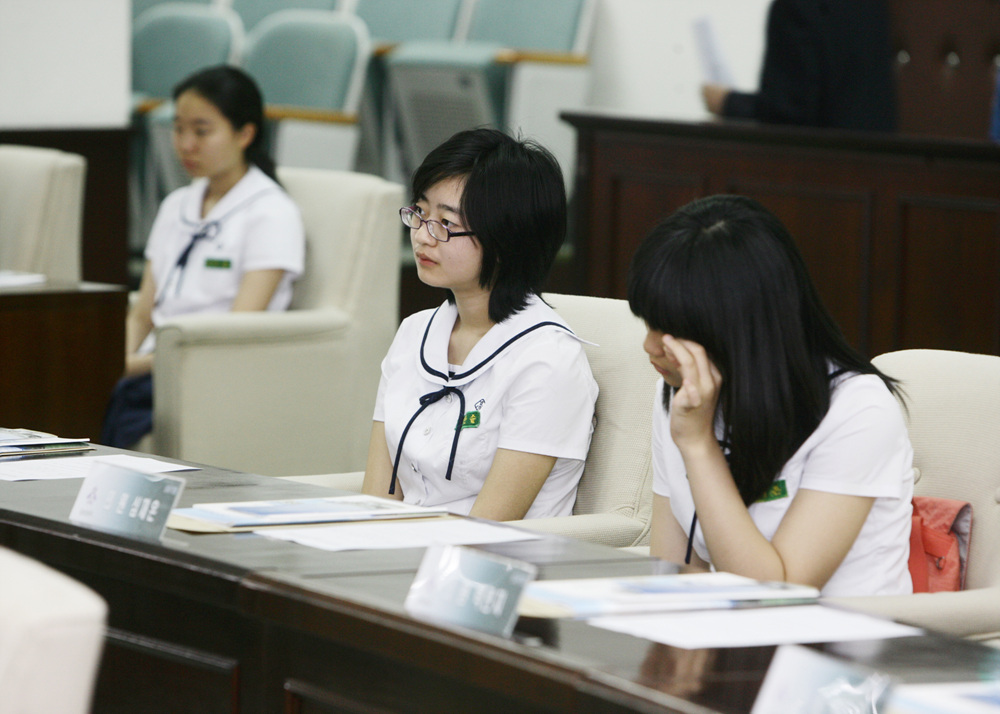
column 65, row 63
column 645, row 60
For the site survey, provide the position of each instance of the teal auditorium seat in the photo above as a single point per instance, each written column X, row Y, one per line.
column 169, row 42
column 516, row 65
column 310, row 65
column 391, row 22
column 251, row 12
column 140, row 6
column 175, row 39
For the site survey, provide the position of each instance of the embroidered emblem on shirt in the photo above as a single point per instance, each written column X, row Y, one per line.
column 218, row 263
column 471, row 420
column 480, row 403
column 777, row 490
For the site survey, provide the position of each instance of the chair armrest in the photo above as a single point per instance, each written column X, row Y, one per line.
column 606, row 528
column 508, row 56
column 274, row 393
column 278, row 112
column 351, row 481
column 970, row 613
column 236, row 327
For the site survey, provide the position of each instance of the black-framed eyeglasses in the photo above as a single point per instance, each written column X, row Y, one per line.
column 437, row 230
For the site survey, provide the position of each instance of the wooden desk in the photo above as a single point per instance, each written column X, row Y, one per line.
column 239, row 623
column 62, row 347
column 901, row 234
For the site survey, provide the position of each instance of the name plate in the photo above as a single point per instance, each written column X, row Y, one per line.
column 126, row 502
column 800, row 679
column 470, row 588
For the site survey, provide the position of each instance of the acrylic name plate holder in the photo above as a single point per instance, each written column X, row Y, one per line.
column 465, row 587
column 126, row 502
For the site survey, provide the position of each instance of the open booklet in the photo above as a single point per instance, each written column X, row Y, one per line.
column 591, row 597
column 16, row 443
column 219, row 517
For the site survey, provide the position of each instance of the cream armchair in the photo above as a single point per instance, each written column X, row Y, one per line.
column 615, row 498
column 41, row 209
column 292, row 392
column 51, row 637
column 953, row 411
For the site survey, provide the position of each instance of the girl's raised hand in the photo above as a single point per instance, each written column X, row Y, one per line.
column 692, row 408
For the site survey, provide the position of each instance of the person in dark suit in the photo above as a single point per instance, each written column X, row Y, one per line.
column 827, row 63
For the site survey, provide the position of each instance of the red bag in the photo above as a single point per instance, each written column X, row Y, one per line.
column 939, row 544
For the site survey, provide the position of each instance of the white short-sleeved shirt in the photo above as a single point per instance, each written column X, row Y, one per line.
column 256, row 226
column 860, row 448
column 530, row 392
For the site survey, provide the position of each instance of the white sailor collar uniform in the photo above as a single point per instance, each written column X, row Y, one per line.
column 199, row 262
column 525, row 386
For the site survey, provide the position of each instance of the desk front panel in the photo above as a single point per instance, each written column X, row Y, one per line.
column 62, row 348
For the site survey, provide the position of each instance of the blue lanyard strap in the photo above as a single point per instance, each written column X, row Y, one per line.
column 209, row 230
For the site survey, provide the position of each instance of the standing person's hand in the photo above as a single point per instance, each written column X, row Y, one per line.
column 714, row 96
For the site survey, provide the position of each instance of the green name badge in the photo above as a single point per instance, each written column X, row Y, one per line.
column 126, row 502
column 471, row 420
column 470, row 588
column 218, row 263
column 777, row 490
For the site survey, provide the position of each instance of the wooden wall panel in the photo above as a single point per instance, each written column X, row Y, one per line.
column 873, row 216
column 832, row 229
column 949, row 274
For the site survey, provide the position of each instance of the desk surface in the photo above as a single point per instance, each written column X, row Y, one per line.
column 242, row 623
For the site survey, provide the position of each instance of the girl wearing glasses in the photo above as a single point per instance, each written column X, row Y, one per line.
column 486, row 403
column 779, row 452
column 232, row 240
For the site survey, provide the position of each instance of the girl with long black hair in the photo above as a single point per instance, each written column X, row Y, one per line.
column 779, row 452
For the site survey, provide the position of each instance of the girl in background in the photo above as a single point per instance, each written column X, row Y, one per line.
column 232, row 240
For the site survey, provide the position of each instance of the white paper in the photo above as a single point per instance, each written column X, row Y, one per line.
column 49, row 468
column 714, row 69
column 375, row 536
column 753, row 627
column 591, row 597
column 950, row 698
column 17, row 278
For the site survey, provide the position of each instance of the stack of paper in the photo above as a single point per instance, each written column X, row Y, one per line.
column 218, row 517
column 591, row 597
column 19, row 443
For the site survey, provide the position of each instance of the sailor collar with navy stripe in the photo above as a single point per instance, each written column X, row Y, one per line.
column 432, row 357
column 432, row 362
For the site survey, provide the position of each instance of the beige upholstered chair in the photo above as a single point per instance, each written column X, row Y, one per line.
column 41, row 209
column 51, row 636
column 614, row 501
column 953, row 412
column 292, row 392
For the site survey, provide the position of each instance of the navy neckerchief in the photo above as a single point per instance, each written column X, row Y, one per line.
column 448, row 388
column 205, row 230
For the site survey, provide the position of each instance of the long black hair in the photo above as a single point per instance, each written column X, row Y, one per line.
column 724, row 272
column 238, row 98
column 514, row 202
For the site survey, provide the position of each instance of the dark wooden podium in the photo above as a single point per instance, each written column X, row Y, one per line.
column 901, row 234
column 62, row 347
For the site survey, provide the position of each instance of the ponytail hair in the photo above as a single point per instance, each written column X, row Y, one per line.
column 235, row 94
